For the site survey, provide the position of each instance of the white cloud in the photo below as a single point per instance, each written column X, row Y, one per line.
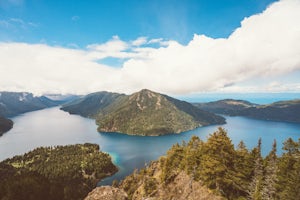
column 267, row 44
column 139, row 41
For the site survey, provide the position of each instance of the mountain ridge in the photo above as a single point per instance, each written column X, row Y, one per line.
column 283, row 111
column 150, row 113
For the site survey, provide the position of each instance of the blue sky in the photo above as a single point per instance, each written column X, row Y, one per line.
column 178, row 47
column 78, row 22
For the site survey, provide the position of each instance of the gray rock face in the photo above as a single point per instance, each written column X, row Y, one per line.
column 107, row 193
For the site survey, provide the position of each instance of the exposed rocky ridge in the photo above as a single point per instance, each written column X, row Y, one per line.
column 148, row 186
column 151, row 113
column 107, row 193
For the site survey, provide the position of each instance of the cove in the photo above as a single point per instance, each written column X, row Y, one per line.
column 50, row 127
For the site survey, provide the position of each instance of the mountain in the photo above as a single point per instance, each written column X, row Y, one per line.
column 226, row 106
column 285, row 111
column 5, row 125
column 14, row 103
column 91, row 104
column 151, row 113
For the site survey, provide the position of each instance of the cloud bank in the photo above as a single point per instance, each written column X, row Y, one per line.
column 265, row 45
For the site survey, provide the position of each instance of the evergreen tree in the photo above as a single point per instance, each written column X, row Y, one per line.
column 218, row 164
column 255, row 187
column 289, row 171
column 270, row 178
column 244, row 169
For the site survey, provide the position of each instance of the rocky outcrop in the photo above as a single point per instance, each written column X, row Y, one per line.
column 107, row 193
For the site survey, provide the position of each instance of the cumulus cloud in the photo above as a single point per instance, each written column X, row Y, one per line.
column 139, row 41
column 266, row 44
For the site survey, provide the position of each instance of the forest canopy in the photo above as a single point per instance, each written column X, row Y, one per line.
column 60, row 172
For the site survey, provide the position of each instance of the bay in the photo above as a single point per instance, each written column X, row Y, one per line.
column 50, row 127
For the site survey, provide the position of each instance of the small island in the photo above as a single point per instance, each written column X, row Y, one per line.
column 60, row 172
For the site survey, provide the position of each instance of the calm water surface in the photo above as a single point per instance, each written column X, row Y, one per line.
column 54, row 127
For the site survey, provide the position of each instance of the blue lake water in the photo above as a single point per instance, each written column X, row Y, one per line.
column 54, row 127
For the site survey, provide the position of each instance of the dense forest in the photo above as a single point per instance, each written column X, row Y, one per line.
column 60, row 172
column 232, row 173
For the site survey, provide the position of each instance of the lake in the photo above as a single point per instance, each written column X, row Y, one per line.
column 52, row 126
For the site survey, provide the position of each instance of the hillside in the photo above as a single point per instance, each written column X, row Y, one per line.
column 226, row 107
column 91, row 104
column 151, row 113
column 5, row 125
column 213, row 169
column 285, row 111
column 61, row 172
column 14, row 103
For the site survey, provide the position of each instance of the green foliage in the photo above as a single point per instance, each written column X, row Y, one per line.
column 236, row 173
column 150, row 113
column 289, row 171
column 61, row 172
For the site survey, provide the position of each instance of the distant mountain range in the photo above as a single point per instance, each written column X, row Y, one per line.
column 14, row 103
column 91, row 104
column 285, row 111
column 142, row 113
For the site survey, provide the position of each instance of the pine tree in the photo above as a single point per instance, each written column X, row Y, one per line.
column 289, row 171
column 270, row 180
column 255, row 187
column 244, row 168
column 218, row 164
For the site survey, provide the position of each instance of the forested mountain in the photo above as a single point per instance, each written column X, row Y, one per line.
column 285, row 111
column 60, row 173
column 216, row 170
column 227, row 106
column 151, row 113
column 14, row 103
column 91, row 104
column 5, row 125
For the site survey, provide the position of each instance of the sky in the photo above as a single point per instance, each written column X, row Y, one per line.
column 178, row 47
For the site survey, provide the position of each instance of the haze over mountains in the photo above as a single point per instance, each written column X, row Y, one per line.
column 15, row 103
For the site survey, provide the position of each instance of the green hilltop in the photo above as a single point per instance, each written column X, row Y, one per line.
column 151, row 113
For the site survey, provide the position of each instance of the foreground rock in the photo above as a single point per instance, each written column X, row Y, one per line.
column 107, row 193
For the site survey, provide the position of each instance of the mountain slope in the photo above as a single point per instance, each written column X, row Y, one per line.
column 150, row 113
column 91, row 104
column 14, row 103
column 286, row 111
column 226, row 106
column 5, row 125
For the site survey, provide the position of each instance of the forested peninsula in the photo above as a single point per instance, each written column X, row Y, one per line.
column 60, row 172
